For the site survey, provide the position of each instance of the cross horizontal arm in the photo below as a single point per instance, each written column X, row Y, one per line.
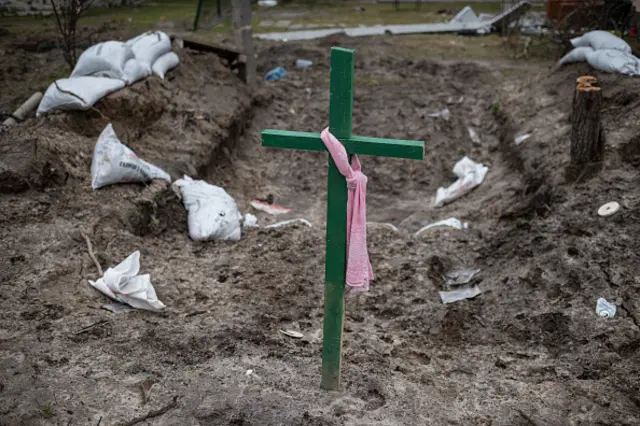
column 361, row 145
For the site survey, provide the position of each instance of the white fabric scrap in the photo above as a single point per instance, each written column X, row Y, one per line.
column 457, row 295
column 451, row 222
column 123, row 284
column 470, row 175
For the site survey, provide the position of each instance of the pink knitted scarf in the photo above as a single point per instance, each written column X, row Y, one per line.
column 359, row 271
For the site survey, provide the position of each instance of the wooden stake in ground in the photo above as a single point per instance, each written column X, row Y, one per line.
column 340, row 108
column 240, row 18
column 587, row 133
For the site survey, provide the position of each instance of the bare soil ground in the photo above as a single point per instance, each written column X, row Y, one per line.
column 529, row 350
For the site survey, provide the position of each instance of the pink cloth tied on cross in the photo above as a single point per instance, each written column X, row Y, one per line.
column 359, row 271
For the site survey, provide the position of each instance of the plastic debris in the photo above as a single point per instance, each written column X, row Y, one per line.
column 609, row 209
column 457, row 295
column 123, row 284
column 451, row 222
column 605, row 309
column 250, row 221
column 445, row 113
column 287, row 222
column 248, row 372
column 292, row 333
column 264, row 206
column 475, row 138
column 276, row 74
column 384, row 225
column 267, row 3
column 522, row 138
column 303, row 63
column 460, row 277
column 470, row 175
column 118, row 308
column 452, row 100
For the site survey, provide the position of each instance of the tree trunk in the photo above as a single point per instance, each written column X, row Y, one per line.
column 587, row 133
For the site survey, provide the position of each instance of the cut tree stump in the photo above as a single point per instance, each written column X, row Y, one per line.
column 587, row 133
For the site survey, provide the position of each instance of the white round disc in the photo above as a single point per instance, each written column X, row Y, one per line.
column 609, row 209
column 292, row 333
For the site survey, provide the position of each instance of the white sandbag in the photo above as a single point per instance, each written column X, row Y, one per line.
column 77, row 93
column 122, row 283
column 213, row 214
column 614, row 61
column 134, row 70
column 601, row 40
column 578, row 54
column 465, row 16
column 113, row 162
column 164, row 63
column 148, row 47
column 103, row 60
column 470, row 175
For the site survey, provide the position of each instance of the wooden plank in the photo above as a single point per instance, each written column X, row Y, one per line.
column 224, row 52
column 361, row 145
column 292, row 140
column 386, row 147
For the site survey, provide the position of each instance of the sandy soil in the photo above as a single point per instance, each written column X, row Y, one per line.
column 529, row 350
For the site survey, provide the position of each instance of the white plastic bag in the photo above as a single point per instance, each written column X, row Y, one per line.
column 164, row 63
column 213, row 214
column 614, row 61
column 122, row 283
column 579, row 54
column 134, row 70
column 103, row 60
column 601, row 40
column 113, row 162
column 150, row 46
column 469, row 174
column 77, row 93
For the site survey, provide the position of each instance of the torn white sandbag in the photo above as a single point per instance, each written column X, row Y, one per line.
column 123, row 284
column 149, row 46
column 452, row 222
column 614, row 61
column 465, row 16
column 273, row 209
column 213, row 214
column 470, row 175
column 457, row 295
column 165, row 63
column 578, row 54
column 105, row 59
column 601, row 40
column 290, row 221
column 134, row 70
column 78, row 93
column 114, row 162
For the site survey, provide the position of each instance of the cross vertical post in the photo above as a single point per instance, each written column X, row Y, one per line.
column 340, row 108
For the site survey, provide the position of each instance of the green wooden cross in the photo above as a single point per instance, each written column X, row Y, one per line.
column 340, row 108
